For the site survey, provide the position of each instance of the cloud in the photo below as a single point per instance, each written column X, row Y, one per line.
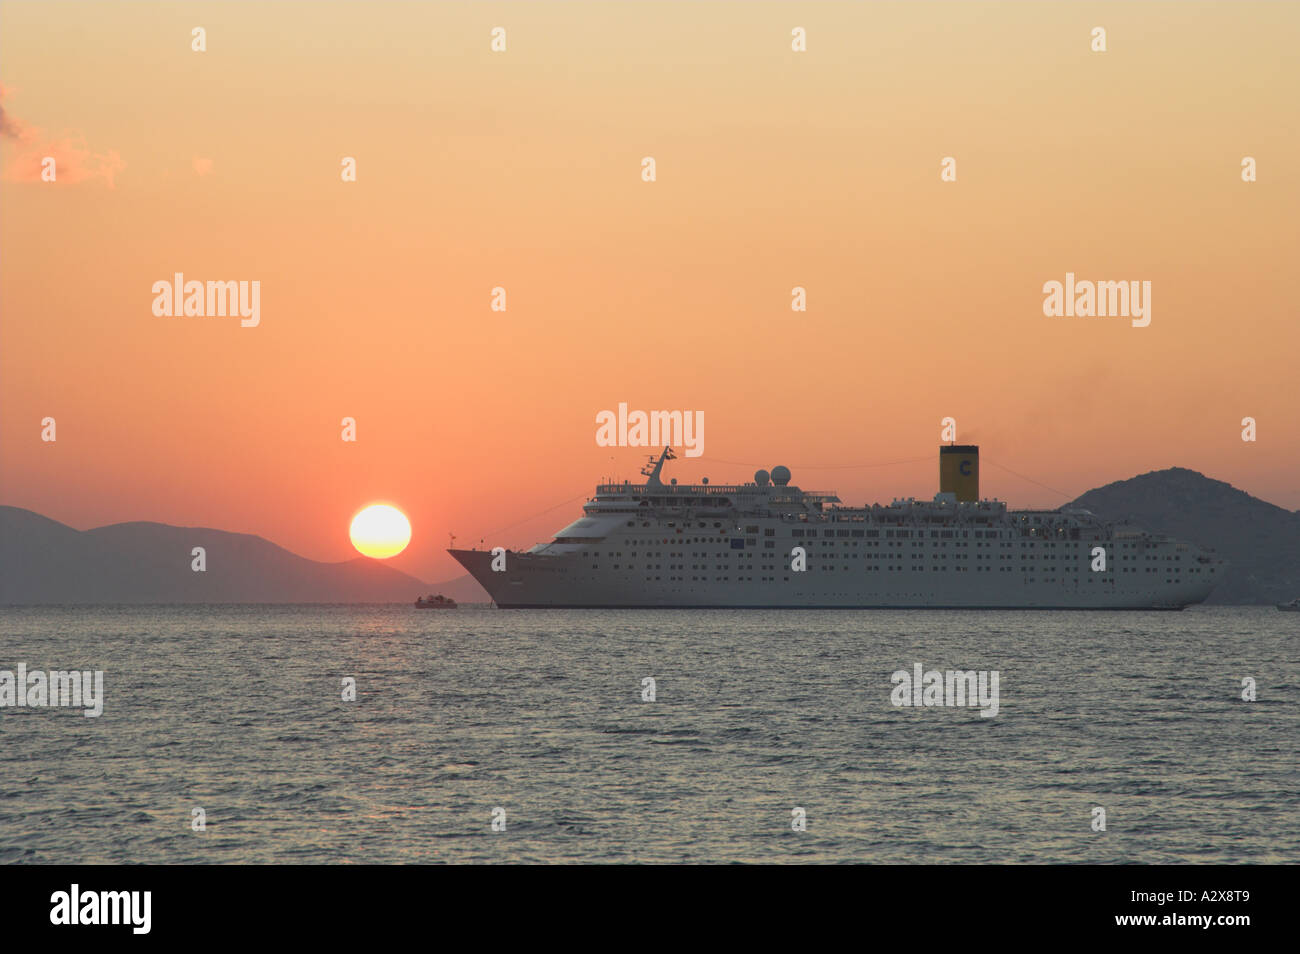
column 73, row 159
column 10, row 128
column 202, row 166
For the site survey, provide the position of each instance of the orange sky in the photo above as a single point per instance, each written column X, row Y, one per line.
column 522, row 169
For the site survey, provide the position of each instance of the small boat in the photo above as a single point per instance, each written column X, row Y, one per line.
column 435, row 602
column 1292, row 607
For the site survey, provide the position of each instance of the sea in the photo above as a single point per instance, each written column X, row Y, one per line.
column 229, row 734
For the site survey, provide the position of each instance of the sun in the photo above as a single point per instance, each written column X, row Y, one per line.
column 380, row 531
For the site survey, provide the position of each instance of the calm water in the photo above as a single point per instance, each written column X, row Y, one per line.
column 238, row 710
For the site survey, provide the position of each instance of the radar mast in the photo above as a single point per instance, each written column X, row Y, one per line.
column 654, row 467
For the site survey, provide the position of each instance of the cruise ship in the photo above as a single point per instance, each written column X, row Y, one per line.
column 769, row 544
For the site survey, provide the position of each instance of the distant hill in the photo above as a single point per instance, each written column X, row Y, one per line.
column 44, row 561
column 1261, row 540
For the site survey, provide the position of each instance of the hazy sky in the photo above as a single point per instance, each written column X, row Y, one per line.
column 522, row 169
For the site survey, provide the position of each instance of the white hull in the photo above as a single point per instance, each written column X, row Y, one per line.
column 714, row 576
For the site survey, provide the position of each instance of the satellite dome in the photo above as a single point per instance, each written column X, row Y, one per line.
column 761, row 478
column 780, row 475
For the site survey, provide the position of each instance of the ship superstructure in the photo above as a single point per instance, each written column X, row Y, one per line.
column 771, row 544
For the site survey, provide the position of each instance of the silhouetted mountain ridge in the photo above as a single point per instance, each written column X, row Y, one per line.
column 1259, row 539
column 44, row 561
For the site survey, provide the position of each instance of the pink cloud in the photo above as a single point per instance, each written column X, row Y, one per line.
column 74, row 161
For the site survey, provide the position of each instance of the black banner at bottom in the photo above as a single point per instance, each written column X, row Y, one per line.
column 1217, row 905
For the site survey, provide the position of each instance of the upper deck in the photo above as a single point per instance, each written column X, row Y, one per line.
column 772, row 496
column 679, row 493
